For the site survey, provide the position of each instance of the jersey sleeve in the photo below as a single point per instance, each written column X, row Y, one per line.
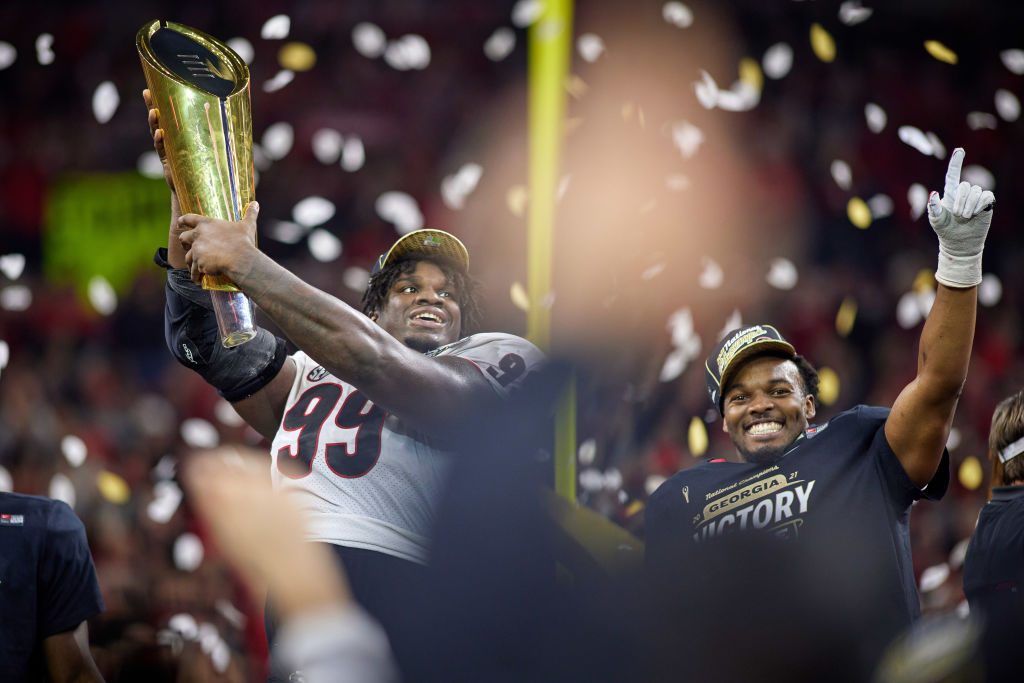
column 69, row 592
column 504, row 359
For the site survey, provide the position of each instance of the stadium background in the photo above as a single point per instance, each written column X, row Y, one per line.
column 741, row 161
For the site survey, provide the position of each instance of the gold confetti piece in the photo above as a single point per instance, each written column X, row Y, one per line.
column 822, row 44
column 519, row 297
column 750, row 73
column 113, row 488
column 846, row 316
column 634, row 507
column 970, row 473
column 858, row 212
column 924, row 281
column 576, row 86
column 296, row 56
column 515, row 198
column 940, row 52
column 828, row 386
column 697, row 437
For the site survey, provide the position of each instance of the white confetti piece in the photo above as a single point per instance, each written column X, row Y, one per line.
column 167, row 497
column 459, row 185
column 933, row 577
column 15, row 298
column 324, row 246
column 277, row 140
column 101, row 295
column 591, row 479
column 184, row 625
column 353, row 155
column 13, row 265
column 979, row 175
column 313, row 211
column 408, row 52
column 369, row 40
column 652, row 271
column 61, row 488
column 355, row 278
column 706, row 90
column 841, row 174
column 8, row 53
column 167, row 466
column 74, row 450
column 1007, row 105
column 326, row 144
column 401, row 210
column 740, row 97
column 674, row 365
column 777, row 61
column 280, row 79
column 851, row 12
column 612, row 479
column 243, row 48
column 44, row 49
column 980, row 120
column 198, row 433
column 711, row 275
column 6, row 481
column 687, row 138
column 875, row 116
column 105, row 101
column 917, row 196
column 287, row 232
column 938, row 149
column 1013, row 60
column 500, row 44
column 188, row 552
column 5, row 354
column 587, row 452
column 525, row 12
column 652, row 483
column 881, row 206
column 590, row 47
column 276, row 27
column 990, row 291
column 908, row 311
column 148, row 165
column 782, row 274
column 677, row 14
column 916, row 138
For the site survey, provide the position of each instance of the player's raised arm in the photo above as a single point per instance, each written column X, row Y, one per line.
column 922, row 415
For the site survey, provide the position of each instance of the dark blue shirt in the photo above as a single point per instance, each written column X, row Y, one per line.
column 47, row 580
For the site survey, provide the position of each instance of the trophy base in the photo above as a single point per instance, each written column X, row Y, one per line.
column 234, row 317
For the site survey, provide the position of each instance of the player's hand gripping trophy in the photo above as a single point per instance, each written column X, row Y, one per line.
column 200, row 87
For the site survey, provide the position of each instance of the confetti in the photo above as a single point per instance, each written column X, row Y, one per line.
column 5, row 354
column 276, row 27
column 938, row 149
column 287, row 232
column 687, row 138
column 234, row 616
column 782, row 274
column 846, row 316
column 500, row 44
column 101, row 295
column 198, row 433
column 933, row 577
column 908, row 311
column 277, row 140
column 677, row 14
column 296, row 56
column 1007, row 105
column 875, row 117
column 822, row 43
column 881, row 206
column 841, row 174
column 1013, row 60
column 459, row 185
column 113, row 488
column 858, row 212
column 166, row 467
column 185, row 625
column 243, row 48
column 591, row 479
column 563, row 186
column 751, row 75
column 970, row 473
column 674, row 364
column 324, row 246
column 828, row 385
column 777, row 61
column 520, row 299
column 940, row 51
column 587, row 452
column 525, row 12
column 401, row 210
column 355, row 278
column 280, row 79
column 8, row 53
column 148, row 165
column 13, row 265
column 353, row 154
column 652, row 483
column 741, row 97
column 369, row 40
column 979, row 120
column 734, row 321
column 105, row 101
column 697, row 437
column 612, row 479
column 74, row 450
column 326, row 144
column 515, row 200
column 15, row 298
column 711, row 275
column 917, row 196
column 167, row 497
column 979, row 175
column 852, row 12
column 953, row 440
column 990, row 291
column 590, row 47
column 188, row 552
column 313, row 211
column 61, row 488
column 706, row 90
column 44, row 49
column 408, row 52
column 916, row 138
column 6, row 481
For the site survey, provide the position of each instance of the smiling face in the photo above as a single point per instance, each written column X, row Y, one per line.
column 765, row 408
column 422, row 308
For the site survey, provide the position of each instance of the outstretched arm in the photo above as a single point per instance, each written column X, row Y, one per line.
column 922, row 415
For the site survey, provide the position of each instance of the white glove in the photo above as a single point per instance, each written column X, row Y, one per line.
column 961, row 220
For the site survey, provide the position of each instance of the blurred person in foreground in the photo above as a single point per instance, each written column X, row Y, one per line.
column 994, row 564
column 842, row 490
column 365, row 418
column 48, row 591
column 324, row 634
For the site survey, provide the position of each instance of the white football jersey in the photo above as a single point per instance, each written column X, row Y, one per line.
column 364, row 478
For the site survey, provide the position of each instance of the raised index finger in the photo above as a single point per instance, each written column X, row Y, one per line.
column 956, row 162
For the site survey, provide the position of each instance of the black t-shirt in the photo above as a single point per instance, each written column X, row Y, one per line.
column 839, row 491
column 47, row 580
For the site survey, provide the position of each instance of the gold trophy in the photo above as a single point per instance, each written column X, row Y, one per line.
column 201, row 87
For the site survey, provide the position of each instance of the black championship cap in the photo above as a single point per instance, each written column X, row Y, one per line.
column 736, row 346
column 428, row 242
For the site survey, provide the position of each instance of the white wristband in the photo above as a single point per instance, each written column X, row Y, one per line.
column 343, row 645
column 958, row 271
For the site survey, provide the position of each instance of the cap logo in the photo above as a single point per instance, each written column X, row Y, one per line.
column 737, row 342
column 432, row 241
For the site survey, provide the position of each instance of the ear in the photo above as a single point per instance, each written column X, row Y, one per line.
column 373, row 317
column 809, row 408
column 725, row 427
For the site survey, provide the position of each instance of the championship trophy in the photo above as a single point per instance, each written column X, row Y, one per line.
column 201, row 87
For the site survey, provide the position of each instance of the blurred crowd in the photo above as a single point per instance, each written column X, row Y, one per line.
column 676, row 221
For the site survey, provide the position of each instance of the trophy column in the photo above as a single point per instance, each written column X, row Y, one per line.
column 204, row 86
